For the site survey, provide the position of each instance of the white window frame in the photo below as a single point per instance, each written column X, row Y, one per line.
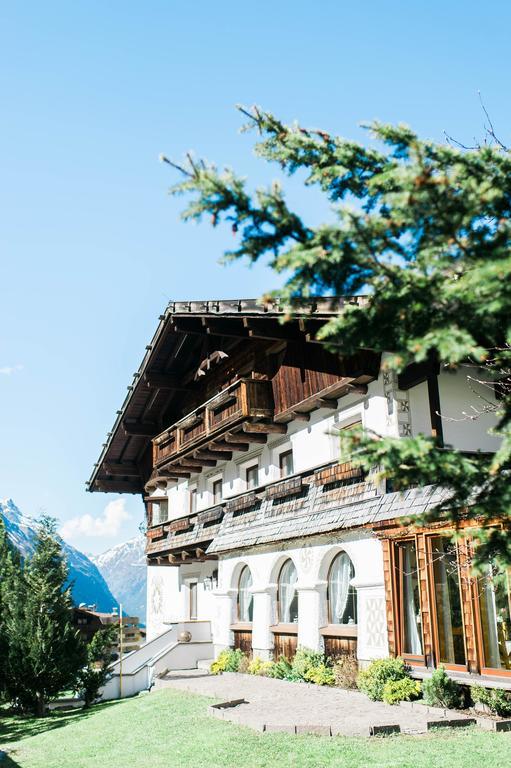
column 211, row 484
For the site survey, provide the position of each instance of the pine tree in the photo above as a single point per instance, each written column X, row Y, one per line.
column 425, row 230
column 4, row 556
column 45, row 652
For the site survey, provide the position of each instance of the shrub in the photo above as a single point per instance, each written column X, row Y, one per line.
column 282, row 669
column 345, row 671
column 405, row 689
column 227, row 661
column 380, row 671
column 305, row 660
column 259, row 667
column 322, row 674
column 441, row 691
column 497, row 700
column 244, row 665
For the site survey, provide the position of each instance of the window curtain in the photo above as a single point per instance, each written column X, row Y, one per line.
column 490, row 620
column 245, row 596
column 413, row 640
column 287, row 590
column 339, row 586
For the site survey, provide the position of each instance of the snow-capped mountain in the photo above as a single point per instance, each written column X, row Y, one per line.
column 89, row 586
column 124, row 569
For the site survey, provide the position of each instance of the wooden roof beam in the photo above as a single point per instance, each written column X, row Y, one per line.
column 229, row 445
column 121, row 469
column 165, row 381
column 140, row 429
column 117, row 485
column 235, row 437
column 259, row 428
column 206, row 453
column 195, row 461
column 173, row 472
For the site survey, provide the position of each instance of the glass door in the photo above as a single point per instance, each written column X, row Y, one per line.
column 447, row 602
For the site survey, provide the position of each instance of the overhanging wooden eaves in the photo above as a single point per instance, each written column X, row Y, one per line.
column 170, row 361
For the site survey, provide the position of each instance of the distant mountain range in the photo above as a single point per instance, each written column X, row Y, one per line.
column 118, row 575
column 124, row 569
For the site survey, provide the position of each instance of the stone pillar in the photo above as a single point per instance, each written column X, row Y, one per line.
column 263, row 617
column 224, row 602
column 311, row 601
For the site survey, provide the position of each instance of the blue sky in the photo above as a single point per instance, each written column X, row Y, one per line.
column 91, row 245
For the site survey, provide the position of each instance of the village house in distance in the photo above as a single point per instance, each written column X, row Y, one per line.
column 259, row 530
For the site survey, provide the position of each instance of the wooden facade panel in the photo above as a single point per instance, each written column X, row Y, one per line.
column 306, row 370
column 336, row 647
column 243, row 641
column 284, row 645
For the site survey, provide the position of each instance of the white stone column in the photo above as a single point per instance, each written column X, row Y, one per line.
column 311, row 600
column 222, row 619
column 263, row 617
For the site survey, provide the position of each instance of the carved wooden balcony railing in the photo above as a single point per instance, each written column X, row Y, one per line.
column 246, row 403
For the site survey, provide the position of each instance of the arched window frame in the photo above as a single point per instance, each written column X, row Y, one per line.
column 352, row 591
column 239, row 617
column 295, row 596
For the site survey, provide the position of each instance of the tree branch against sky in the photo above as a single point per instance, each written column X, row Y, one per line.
column 424, row 229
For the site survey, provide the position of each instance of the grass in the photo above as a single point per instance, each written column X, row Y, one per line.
column 172, row 728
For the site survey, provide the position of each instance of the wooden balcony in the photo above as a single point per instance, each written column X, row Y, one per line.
column 246, row 404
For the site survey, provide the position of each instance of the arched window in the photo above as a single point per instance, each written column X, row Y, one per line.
column 342, row 597
column 287, row 595
column 245, row 597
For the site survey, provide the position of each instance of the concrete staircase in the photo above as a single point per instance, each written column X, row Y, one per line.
column 164, row 653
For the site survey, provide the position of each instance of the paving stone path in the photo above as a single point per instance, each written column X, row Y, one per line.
column 278, row 705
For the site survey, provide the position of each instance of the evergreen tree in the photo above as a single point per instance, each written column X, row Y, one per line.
column 4, row 555
column 99, row 657
column 45, row 652
column 425, row 230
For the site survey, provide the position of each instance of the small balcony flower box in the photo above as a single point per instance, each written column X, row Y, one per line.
column 290, row 487
column 179, row 525
column 212, row 515
column 242, row 502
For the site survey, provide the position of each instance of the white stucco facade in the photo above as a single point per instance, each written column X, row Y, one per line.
column 384, row 410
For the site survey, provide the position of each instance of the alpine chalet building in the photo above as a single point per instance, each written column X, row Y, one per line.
column 256, row 523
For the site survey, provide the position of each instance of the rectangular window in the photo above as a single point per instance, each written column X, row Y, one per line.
column 193, row 501
column 408, row 596
column 286, row 463
column 447, row 598
column 217, row 491
column 252, row 477
column 160, row 511
column 345, row 449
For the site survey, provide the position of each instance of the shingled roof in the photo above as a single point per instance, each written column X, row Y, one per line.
column 321, row 511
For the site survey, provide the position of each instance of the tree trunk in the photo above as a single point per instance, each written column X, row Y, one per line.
column 40, row 705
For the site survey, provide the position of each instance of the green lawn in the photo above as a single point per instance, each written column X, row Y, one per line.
column 170, row 728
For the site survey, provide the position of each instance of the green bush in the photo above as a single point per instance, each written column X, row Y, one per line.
column 305, row 660
column 227, row 661
column 323, row 674
column 372, row 680
column 406, row 689
column 259, row 667
column 346, row 671
column 282, row 669
column 441, row 691
column 497, row 700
